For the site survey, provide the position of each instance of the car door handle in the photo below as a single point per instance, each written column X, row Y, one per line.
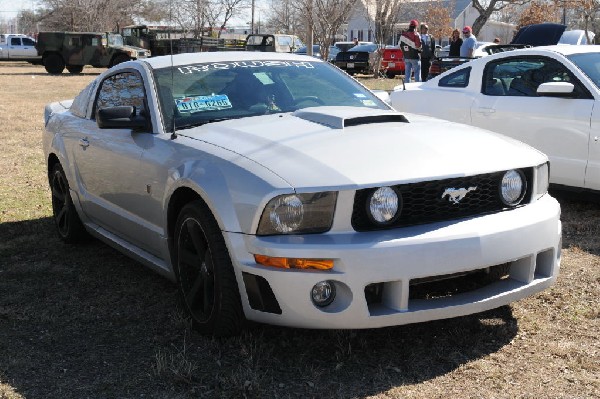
column 483, row 110
column 84, row 143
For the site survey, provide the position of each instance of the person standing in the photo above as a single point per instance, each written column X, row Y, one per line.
column 410, row 43
column 469, row 43
column 428, row 48
column 455, row 43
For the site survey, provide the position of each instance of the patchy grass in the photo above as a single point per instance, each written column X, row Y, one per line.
column 85, row 321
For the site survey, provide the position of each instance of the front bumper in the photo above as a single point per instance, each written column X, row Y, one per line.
column 527, row 238
column 353, row 67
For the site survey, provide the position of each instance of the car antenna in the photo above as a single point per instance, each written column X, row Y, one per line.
column 174, row 134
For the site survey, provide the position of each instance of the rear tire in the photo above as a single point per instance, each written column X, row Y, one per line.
column 68, row 225
column 54, row 64
column 204, row 272
column 120, row 58
column 75, row 69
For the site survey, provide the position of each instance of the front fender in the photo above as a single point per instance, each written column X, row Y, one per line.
column 235, row 188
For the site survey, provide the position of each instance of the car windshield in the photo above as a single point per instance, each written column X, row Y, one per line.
column 192, row 95
column 589, row 63
column 115, row 40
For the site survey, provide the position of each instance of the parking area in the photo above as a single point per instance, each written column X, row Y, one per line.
column 88, row 322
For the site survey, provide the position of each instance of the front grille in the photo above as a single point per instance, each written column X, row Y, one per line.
column 423, row 203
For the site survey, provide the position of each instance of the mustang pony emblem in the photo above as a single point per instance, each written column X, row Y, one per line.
column 455, row 195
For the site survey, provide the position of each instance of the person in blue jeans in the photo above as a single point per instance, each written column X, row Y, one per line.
column 469, row 43
column 410, row 43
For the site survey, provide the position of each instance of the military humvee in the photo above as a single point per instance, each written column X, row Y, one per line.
column 73, row 50
column 278, row 43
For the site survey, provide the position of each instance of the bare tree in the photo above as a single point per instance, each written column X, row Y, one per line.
column 487, row 8
column 331, row 15
column 90, row 15
column 219, row 12
column 586, row 13
column 285, row 17
column 323, row 17
column 384, row 14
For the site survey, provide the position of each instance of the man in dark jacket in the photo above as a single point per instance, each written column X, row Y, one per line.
column 428, row 46
column 410, row 43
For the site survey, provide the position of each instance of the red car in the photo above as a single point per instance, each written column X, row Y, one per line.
column 393, row 62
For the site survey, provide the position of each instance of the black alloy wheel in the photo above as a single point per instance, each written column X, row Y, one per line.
column 69, row 226
column 204, row 272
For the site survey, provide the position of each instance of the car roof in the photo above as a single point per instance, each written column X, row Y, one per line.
column 567, row 49
column 220, row 56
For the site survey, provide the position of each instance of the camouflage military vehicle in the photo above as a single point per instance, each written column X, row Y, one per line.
column 73, row 50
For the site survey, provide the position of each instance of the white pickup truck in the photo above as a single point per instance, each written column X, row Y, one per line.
column 18, row 47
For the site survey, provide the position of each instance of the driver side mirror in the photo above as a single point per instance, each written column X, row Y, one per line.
column 122, row 117
column 556, row 89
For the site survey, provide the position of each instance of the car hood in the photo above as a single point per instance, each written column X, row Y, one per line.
column 545, row 34
column 354, row 147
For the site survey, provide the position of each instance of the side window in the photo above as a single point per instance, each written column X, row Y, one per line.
column 15, row 41
column 122, row 89
column 457, row 79
column 520, row 77
column 28, row 42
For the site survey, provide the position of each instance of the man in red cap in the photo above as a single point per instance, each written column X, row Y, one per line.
column 410, row 43
column 469, row 43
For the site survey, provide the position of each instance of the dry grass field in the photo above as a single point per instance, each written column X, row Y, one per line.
column 87, row 322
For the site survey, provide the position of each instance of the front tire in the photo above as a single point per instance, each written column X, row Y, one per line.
column 204, row 272
column 54, row 64
column 69, row 226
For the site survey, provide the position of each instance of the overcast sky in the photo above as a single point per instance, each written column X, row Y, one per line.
column 10, row 8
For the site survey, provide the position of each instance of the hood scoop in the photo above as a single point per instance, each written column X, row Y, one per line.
column 341, row 117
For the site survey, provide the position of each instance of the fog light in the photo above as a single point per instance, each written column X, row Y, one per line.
column 323, row 293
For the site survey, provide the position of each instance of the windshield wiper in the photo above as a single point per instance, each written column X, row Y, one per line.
column 201, row 123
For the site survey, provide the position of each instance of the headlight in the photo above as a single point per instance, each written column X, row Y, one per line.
column 298, row 213
column 542, row 175
column 513, row 187
column 384, row 204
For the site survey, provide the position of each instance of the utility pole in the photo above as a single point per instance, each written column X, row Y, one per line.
column 252, row 20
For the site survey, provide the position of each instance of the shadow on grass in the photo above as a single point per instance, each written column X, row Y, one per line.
column 85, row 321
column 44, row 73
column 580, row 219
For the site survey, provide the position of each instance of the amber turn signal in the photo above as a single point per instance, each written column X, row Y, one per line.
column 294, row 263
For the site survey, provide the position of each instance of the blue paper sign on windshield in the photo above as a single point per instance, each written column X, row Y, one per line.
column 203, row 103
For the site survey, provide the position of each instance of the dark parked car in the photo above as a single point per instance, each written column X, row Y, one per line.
column 358, row 59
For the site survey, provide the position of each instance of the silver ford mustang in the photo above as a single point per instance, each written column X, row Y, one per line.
column 275, row 188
